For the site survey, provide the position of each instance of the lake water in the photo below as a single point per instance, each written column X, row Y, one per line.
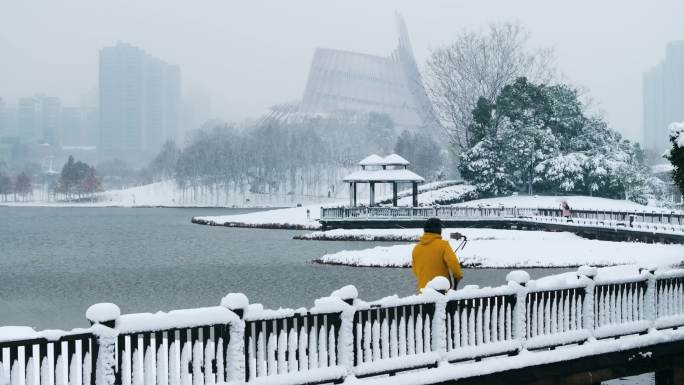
column 55, row 262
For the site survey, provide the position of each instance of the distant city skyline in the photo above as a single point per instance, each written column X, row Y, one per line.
column 139, row 102
column 663, row 97
column 251, row 55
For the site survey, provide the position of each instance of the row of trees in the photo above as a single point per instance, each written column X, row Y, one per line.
column 16, row 188
column 304, row 155
column 78, row 181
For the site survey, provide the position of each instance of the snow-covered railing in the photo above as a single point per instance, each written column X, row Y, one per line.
column 394, row 334
column 555, row 316
column 621, row 305
column 479, row 322
column 626, row 217
column 50, row 357
column 285, row 343
column 342, row 336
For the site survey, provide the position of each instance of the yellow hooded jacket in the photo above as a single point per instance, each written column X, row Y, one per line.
column 433, row 256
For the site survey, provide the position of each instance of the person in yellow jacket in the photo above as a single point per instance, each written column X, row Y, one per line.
column 433, row 256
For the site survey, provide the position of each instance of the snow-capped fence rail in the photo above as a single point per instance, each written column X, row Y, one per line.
column 625, row 217
column 48, row 358
column 343, row 336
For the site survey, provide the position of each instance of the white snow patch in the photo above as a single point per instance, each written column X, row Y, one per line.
column 102, row 312
column 235, row 301
column 576, row 202
column 295, row 216
column 439, row 283
column 490, row 248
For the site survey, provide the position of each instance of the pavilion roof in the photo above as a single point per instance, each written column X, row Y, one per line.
column 372, row 160
column 389, row 160
column 395, row 160
column 401, row 175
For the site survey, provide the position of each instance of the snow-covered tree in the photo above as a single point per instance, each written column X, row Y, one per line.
column 540, row 138
column 676, row 154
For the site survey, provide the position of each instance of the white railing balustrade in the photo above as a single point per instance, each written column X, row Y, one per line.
column 342, row 336
column 636, row 219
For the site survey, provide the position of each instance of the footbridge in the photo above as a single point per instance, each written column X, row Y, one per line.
column 576, row 328
column 593, row 224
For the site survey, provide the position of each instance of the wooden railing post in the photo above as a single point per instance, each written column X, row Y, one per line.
column 235, row 352
column 587, row 273
column 650, row 297
column 519, row 278
column 433, row 291
column 102, row 317
column 348, row 294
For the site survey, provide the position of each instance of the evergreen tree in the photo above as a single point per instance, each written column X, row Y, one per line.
column 676, row 154
column 537, row 137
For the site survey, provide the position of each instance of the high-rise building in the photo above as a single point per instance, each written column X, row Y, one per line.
column 663, row 97
column 49, row 118
column 38, row 119
column 27, row 119
column 139, row 99
column 72, row 127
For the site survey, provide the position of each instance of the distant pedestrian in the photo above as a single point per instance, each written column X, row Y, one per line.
column 565, row 211
column 308, row 215
column 433, row 257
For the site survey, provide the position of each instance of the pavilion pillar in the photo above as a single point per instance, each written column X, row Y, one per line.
column 394, row 194
column 351, row 194
column 354, row 194
column 371, row 202
column 415, row 194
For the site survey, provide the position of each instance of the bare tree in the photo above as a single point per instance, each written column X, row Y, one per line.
column 478, row 64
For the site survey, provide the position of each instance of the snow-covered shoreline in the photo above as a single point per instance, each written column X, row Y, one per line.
column 293, row 218
column 506, row 249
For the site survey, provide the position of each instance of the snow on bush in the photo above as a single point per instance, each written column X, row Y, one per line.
column 677, row 133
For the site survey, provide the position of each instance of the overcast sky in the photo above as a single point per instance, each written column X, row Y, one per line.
column 249, row 55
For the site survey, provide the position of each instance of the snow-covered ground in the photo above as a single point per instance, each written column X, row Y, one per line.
column 490, row 248
column 577, row 202
column 168, row 194
column 294, row 217
column 440, row 196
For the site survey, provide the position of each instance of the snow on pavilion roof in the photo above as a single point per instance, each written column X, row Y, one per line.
column 395, row 160
column 401, row 175
column 389, row 160
column 372, row 160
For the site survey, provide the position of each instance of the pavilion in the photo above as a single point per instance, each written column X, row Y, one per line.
column 376, row 169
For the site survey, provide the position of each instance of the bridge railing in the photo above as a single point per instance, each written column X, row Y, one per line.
column 50, row 357
column 341, row 335
column 622, row 216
